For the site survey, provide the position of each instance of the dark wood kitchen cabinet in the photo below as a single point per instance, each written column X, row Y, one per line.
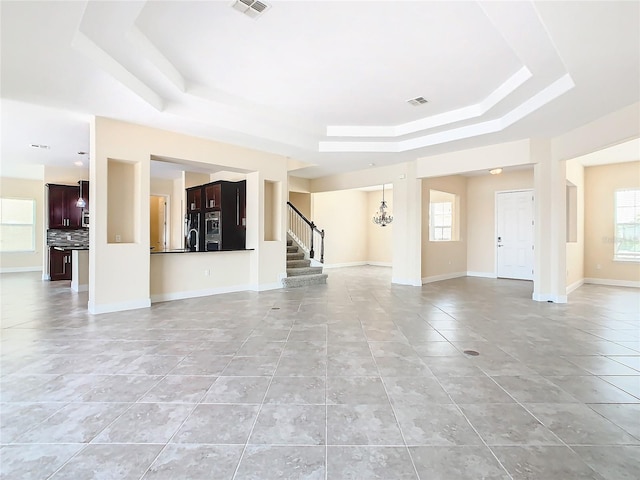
column 59, row 264
column 233, row 214
column 63, row 212
column 227, row 198
column 194, row 199
column 212, row 196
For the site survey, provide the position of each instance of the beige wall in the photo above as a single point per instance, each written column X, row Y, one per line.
column 156, row 222
column 119, row 274
column 165, row 188
column 379, row 239
column 123, row 195
column 302, row 201
column 80, row 270
column 27, row 189
column 192, row 179
column 344, row 216
column 64, row 175
column 444, row 259
column 476, row 159
column 601, row 182
column 185, row 275
column 407, row 213
column 575, row 250
column 298, row 184
column 351, row 236
column 481, row 212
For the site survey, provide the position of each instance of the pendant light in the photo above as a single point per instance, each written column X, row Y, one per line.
column 81, row 202
column 381, row 217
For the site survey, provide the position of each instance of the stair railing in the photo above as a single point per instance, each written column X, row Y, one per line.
column 305, row 232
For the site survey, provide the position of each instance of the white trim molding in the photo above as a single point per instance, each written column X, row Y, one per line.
column 118, row 307
column 405, row 281
column 444, row 276
column 167, row 297
column 347, row 264
column 575, row 285
column 22, row 269
column 380, row 264
column 263, row 287
column 482, row 274
column 548, row 297
column 613, row 283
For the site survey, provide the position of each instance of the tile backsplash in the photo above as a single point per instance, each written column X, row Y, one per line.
column 60, row 238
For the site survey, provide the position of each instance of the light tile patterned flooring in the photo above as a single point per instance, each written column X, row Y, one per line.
column 357, row 379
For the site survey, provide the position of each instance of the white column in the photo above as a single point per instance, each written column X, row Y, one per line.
column 407, row 228
column 550, row 253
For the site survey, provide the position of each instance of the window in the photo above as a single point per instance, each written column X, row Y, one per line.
column 17, row 225
column 627, row 218
column 442, row 216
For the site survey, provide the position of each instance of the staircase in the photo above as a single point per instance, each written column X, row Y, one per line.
column 300, row 273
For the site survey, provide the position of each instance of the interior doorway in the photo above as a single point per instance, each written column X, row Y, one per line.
column 158, row 222
column 514, row 234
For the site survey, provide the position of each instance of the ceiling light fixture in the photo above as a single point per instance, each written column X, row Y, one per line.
column 251, row 8
column 495, row 171
column 81, row 203
column 381, row 217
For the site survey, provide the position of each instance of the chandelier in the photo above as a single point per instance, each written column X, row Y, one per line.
column 381, row 217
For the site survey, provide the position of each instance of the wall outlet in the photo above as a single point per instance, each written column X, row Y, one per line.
column 207, row 272
column 68, row 237
column 118, row 238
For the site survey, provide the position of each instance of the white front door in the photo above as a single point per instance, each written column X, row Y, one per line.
column 514, row 232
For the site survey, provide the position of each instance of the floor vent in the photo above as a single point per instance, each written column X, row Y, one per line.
column 251, row 8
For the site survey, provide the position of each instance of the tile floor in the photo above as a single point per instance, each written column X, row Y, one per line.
column 357, row 379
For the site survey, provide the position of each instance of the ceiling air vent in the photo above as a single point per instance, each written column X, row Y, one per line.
column 251, row 8
column 416, row 102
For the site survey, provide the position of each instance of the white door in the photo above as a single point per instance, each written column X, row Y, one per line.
column 514, row 232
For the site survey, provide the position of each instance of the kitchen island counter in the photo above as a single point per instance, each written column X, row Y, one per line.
column 186, row 250
column 196, row 274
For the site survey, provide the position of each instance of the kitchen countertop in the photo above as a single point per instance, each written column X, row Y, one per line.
column 185, row 250
column 70, row 247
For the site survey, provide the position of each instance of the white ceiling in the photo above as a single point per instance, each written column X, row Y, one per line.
column 322, row 82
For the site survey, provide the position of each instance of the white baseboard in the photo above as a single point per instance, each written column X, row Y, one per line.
column 20, row 269
column 612, row 283
column 482, row 274
column 263, row 287
column 380, row 264
column 548, row 297
column 167, row 297
column 118, row 307
column 444, row 276
column 46, row 276
column 406, row 281
column 347, row 264
column 575, row 286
